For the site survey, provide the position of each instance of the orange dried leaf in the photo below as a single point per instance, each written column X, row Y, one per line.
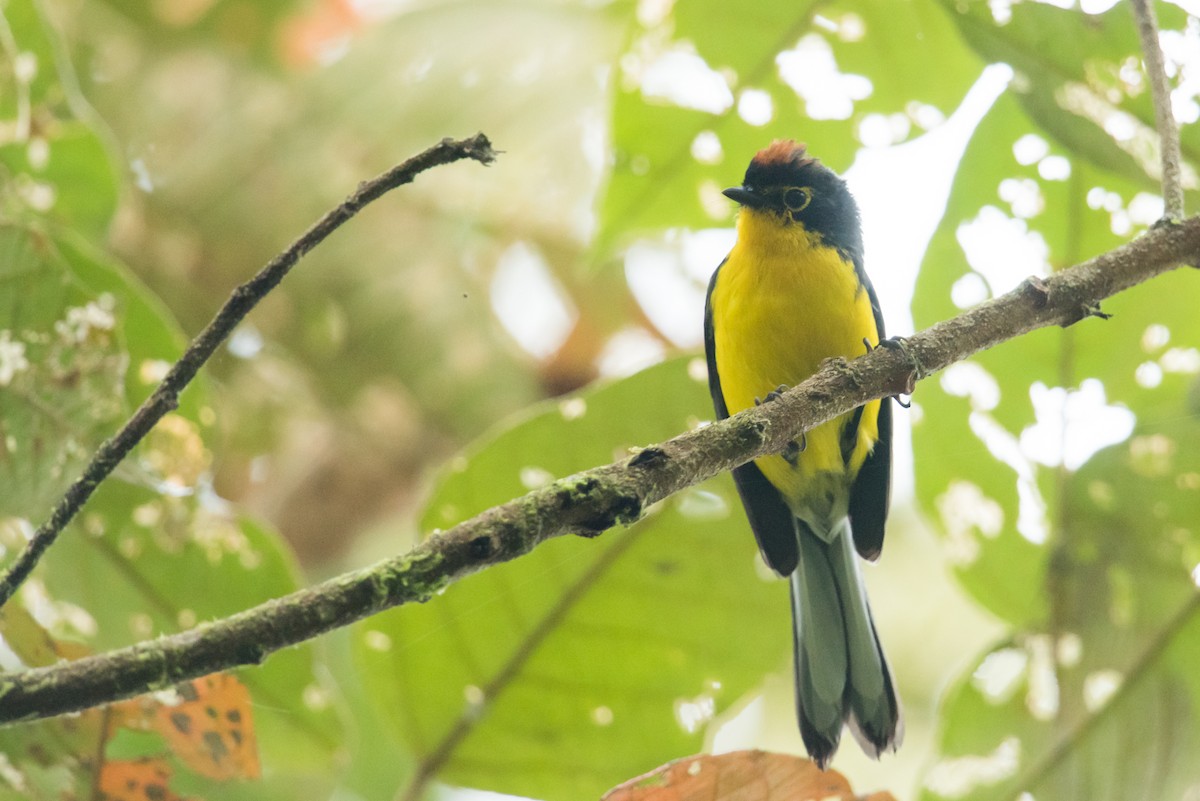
column 211, row 730
column 739, row 776
column 146, row 779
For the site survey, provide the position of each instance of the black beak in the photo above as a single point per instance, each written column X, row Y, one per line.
column 745, row 195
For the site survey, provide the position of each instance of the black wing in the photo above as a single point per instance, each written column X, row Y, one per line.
column 871, row 489
column 769, row 516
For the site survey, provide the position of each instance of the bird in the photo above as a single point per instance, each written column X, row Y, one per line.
column 791, row 294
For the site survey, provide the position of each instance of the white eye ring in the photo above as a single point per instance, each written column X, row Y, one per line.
column 797, row 198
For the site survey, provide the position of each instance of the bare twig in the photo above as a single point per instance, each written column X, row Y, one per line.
column 590, row 502
column 1160, row 91
column 241, row 301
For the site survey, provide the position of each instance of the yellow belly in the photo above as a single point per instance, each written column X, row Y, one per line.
column 782, row 304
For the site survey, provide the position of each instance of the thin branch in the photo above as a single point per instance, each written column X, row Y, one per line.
column 590, row 502
column 1160, row 90
column 166, row 397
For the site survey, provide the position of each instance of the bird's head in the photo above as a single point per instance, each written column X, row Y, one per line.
column 783, row 181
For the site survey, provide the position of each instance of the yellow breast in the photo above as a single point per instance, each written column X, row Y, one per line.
column 782, row 304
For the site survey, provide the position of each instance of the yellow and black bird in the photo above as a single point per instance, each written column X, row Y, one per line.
column 791, row 294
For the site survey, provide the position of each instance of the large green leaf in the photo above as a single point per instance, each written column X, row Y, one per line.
column 586, row 661
column 1140, row 355
column 1105, row 704
column 658, row 181
column 1092, row 565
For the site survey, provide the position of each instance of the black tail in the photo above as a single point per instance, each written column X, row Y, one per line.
column 841, row 673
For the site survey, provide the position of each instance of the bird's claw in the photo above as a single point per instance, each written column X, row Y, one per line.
column 774, row 394
column 791, row 453
column 918, row 370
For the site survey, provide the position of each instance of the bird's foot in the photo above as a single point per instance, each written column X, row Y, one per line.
column 774, row 394
column 791, row 452
column 918, row 370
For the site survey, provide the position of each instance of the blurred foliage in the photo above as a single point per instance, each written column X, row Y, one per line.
column 787, row 56
column 1072, row 78
column 153, row 155
column 382, row 351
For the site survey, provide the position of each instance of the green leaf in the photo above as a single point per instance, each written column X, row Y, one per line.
column 978, row 490
column 141, row 562
column 1072, row 79
column 85, row 342
column 1090, row 564
column 42, row 761
column 62, row 372
column 585, row 661
column 1105, row 704
column 53, row 164
column 657, row 182
column 147, row 332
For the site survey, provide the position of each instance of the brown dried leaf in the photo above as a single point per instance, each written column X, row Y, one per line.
column 740, row 776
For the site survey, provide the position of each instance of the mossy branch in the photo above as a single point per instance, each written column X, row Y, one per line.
column 592, row 501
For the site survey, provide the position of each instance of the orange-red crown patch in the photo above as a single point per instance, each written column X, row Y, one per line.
column 783, row 151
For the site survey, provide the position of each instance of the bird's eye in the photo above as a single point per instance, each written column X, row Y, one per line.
column 797, row 198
